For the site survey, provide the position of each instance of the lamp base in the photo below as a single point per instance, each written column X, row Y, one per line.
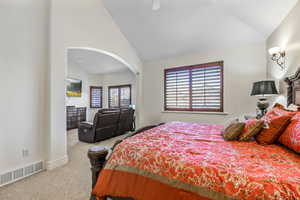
column 262, row 105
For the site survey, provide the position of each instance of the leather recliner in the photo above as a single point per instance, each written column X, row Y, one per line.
column 126, row 122
column 107, row 124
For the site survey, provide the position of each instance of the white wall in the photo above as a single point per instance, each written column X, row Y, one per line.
column 110, row 79
column 120, row 78
column 242, row 67
column 93, row 80
column 77, row 23
column 78, row 73
column 287, row 36
column 23, row 78
column 75, row 71
column 124, row 77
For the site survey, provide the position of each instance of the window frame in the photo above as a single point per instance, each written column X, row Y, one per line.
column 190, row 67
column 119, row 94
column 101, row 99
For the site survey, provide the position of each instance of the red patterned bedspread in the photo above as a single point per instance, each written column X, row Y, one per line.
column 197, row 155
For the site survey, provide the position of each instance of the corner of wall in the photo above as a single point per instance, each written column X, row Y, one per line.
column 53, row 164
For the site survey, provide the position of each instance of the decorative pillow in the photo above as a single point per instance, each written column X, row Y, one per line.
column 293, row 107
column 290, row 108
column 278, row 105
column 251, row 129
column 273, row 129
column 230, row 121
column 277, row 110
column 291, row 136
column 227, row 123
column 233, row 131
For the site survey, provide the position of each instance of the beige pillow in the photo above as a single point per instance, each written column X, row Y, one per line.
column 230, row 121
column 233, row 130
column 252, row 128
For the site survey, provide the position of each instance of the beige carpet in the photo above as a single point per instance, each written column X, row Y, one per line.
column 70, row 182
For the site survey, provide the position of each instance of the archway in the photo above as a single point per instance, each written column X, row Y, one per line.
column 116, row 57
column 101, row 68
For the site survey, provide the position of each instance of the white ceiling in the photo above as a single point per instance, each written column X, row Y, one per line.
column 94, row 62
column 185, row 26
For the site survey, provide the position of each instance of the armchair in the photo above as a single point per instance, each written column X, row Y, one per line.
column 103, row 127
column 126, row 122
column 86, row 132
column 107, row 123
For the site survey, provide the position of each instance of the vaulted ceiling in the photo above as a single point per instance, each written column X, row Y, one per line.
column 185, row 26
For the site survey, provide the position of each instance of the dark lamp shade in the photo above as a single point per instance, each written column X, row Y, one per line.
column 262, row 88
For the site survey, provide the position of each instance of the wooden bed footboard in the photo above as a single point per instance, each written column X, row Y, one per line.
column 97, row 156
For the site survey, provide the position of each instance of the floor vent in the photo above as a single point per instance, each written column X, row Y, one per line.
column 20, row 173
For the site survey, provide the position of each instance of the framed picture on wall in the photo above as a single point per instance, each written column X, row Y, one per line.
column 74, row 87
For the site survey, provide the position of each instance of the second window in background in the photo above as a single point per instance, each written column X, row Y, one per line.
column 119, row 96
column 95, row 97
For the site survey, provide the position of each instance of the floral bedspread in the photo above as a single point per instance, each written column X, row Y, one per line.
column 197, row 154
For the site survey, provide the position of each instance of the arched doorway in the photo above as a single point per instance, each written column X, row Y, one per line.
column 98, row 68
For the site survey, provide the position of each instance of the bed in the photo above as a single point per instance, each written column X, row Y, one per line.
column 190, row 161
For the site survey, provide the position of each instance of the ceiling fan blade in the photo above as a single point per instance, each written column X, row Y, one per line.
column 156, row 5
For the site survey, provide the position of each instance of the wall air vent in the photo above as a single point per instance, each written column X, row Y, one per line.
column 29, row 170
column 7, row 177
column 18, row 173
column 21, row 173
column 39, row 166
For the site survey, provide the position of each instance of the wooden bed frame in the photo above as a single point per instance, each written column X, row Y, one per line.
column 293, row 90
column 97, row 154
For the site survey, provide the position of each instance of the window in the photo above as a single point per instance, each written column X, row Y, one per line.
column 119, row 96
column 194, row 88
column 95, row 97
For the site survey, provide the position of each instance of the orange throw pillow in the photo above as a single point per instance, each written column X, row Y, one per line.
column 275, row 127
column 277, row 110
column 291, row 136
column 278, row 105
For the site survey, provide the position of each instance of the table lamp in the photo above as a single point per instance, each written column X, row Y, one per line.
column 263, row 89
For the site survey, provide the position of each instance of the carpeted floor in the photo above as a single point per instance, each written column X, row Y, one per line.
column 70, row 182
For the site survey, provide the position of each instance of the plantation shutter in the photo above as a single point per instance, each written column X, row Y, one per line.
column 119, row 96
column 125, row 96
column 206, row 88
column 195, row 88
column 95, row 97
column 113, row 97
column 177, row 89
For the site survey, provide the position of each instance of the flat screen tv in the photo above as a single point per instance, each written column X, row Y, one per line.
column 74, row 87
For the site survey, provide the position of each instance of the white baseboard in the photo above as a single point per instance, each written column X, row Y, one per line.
column 52, row 164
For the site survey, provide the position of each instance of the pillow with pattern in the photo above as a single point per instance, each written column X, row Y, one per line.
column 233, row 130
column 273, row 129
column 293, row 107
column 230, row 121
column 277, row 110
column 291, row 136
column 251, row 129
